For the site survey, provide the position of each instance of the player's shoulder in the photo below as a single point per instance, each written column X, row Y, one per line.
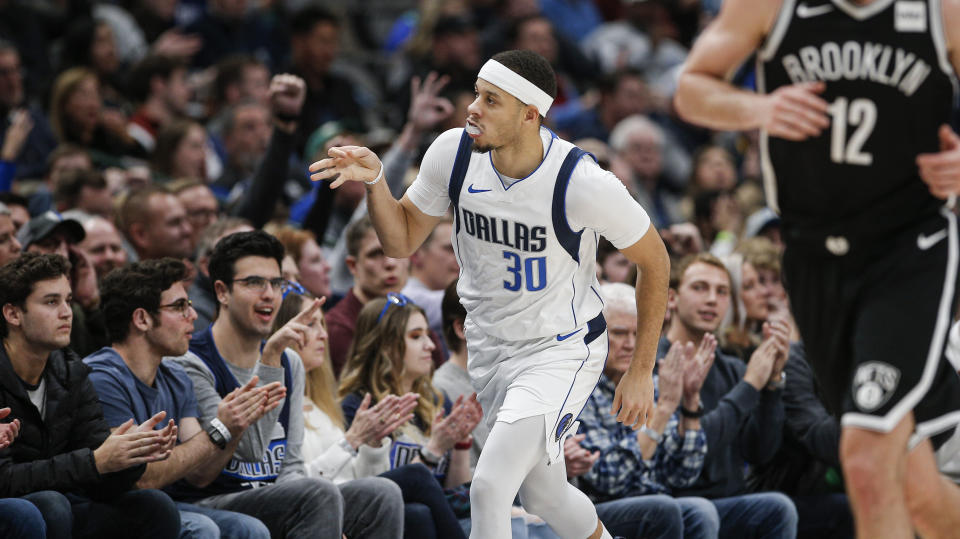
column 449, row 139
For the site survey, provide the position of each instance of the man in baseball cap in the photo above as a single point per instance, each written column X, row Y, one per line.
column 50, row 233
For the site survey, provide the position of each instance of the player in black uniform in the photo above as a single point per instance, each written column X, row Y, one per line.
column 852, row 100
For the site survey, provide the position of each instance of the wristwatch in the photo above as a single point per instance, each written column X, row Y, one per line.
column 216, row 437
column 779, row 384
column 692, row 414
column 219, row 433
column 428, row 457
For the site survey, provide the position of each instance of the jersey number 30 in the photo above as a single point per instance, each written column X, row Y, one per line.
column 531, row 272
column 861, row 113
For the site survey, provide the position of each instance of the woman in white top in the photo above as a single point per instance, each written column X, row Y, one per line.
column 363, row 450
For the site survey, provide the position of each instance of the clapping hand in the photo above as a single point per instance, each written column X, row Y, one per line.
column 8, row 431
column 456, row 427
column 578, row 460
column 372, row 424
column 695, row 369
column 670, row 373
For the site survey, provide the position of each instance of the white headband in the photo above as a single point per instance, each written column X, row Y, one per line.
column 514, row 84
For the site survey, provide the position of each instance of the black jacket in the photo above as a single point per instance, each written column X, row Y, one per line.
column 57, row 454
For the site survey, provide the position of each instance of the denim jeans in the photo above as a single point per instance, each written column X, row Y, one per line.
column 825, row 516
column 148, row 514
column 198, row 522
column 20, row 519
column 426, row 511
column 316, row 508
column 659, row 516
column 767, row 515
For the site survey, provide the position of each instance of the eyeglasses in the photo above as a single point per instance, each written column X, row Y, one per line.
column 293, row 287
column 183, row 305
column 259, row 284
column 394, row 298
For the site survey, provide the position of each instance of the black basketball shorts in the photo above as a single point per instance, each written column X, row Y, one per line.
column 875, row 319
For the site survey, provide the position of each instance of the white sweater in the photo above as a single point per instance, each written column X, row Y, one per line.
column 325, row 454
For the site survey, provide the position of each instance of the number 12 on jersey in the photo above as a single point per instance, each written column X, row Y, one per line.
column 861, row 113
column 531, row 272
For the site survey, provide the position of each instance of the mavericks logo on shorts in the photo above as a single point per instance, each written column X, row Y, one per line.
column 874, row 384
column 564, row 424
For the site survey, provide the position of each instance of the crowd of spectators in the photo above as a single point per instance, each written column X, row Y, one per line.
column 200, row 342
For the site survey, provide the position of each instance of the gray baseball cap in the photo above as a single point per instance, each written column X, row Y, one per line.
column 47, row 223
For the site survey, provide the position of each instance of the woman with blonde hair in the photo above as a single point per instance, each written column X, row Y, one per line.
column 77, row 116
column 341, row 454
column 391, row 355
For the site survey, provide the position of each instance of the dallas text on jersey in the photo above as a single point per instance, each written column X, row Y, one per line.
column 504, row 232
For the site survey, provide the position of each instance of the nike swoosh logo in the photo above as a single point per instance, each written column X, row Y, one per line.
column 926, row 242
column 568, row 335
column 805, row 12
column 472, row 190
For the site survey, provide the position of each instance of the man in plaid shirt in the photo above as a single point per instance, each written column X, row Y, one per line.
column 633, row 469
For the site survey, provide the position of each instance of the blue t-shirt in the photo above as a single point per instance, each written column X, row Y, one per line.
column 123, row 395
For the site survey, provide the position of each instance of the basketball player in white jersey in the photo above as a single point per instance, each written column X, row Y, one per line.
column 854, row 97
column 529, row 208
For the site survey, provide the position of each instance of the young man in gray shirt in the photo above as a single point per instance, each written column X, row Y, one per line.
column 265, row 477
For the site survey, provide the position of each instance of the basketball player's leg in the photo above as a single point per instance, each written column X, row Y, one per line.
column 512, row 452
column 874, row 468
column 546, row 493
column 932, row 499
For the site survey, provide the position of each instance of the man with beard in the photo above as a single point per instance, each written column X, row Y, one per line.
column 79, row 474
column 149, row 316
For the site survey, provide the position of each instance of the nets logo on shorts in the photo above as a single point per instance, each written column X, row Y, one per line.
column 874, row 384
column 564, row 424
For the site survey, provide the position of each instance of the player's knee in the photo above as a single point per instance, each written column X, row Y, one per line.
column 483, row 488
column 870, row 461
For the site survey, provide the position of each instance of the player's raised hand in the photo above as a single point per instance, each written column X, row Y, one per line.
column 795, row 112
column 345, row 164
column 941, row 170
column 633, row 398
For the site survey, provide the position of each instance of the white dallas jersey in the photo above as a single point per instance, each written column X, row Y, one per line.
column 527, row 248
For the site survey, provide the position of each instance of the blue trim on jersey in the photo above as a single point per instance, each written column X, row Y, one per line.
column 542, row 161
column 457, row 175
column 569, row 240
column 598, row 295
column 573, row 309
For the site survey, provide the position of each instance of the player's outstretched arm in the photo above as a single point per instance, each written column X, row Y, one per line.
column 705, row 97
column 400, row 225
column 633, row 399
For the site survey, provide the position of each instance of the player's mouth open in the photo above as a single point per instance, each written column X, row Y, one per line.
column 473, row 130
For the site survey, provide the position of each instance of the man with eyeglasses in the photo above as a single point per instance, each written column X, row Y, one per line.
column 149, row 316
column 264, row 475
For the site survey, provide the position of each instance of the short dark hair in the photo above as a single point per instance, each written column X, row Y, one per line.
column 137, row 286
column 355, row 234
column 531, row 66
column 241, row 245
column 18, row 277
column 67, row 190
column 609, row 83
column 229, row 72
column 138, row 86
column 12, row 199
column 452, row 310
column 307, row 18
